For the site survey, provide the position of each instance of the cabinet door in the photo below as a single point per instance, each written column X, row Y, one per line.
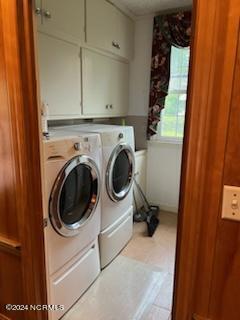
column 64, row 19
column 108, row 28
column 97, row 84
column 100, row 24
column 124, row 35
column 120, row 88
column 60, row 77
column 105, row 85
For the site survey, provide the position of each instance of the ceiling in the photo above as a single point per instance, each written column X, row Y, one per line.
column 144, row 7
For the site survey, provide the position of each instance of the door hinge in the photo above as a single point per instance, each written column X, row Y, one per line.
column 45, row 222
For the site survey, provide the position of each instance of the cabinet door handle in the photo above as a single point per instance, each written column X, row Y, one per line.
column 38, row 11
column 115, row 44
column 107, row 106
column 111, row 106
column 47, row 14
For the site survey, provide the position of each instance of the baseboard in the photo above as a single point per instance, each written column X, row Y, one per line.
column 166, row 207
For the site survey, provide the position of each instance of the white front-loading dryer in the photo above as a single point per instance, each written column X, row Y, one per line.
column 72, row 211
column 117, row 195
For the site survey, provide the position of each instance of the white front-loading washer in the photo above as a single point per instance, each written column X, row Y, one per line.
column 118, row 170
column 72, row 212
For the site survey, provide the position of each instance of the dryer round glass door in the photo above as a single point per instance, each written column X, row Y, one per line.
column 74, row 196
column 120, row 171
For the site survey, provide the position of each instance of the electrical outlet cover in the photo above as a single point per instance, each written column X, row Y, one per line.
column 231, row 203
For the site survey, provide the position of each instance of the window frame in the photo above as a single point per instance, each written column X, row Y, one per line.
column 168, row 139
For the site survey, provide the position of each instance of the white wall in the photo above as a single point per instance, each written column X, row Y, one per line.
column 140, row 67
column 163, row 174
column 163, row 160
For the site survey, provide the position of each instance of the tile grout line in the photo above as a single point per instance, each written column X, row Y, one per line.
column 160, row 307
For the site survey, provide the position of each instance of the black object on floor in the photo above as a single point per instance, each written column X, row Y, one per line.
column 148, row 213
column 152, row 220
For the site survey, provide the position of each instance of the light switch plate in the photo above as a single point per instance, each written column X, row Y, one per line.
column 231, row 203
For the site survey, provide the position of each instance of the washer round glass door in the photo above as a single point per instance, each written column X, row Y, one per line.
column 120, row 171
column 74, row 196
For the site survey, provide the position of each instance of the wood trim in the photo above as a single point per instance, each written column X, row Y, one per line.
column 220, row 95
column 194, row 158
column 3, row 317
column 23, row 198
column 213, row 53
column 32, row 226
column 225, row 294
column 9, row 244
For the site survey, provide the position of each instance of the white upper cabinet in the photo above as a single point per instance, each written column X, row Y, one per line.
column 105, row 85
column 60, row 77
column 107, row 28
column 120, row 92
column 61, row 18
column 124, row 35
column 101, row 87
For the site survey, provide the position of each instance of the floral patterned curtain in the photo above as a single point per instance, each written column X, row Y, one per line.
column 168, row 30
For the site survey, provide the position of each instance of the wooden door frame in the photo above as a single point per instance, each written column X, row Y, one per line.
column 32, row 225
column 206, row 129
column 197, row 168
column 19, row 99
column 193, row 166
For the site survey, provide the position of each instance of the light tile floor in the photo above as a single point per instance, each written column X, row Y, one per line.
column 142, row 260
column 125, row 290
column 157, row 251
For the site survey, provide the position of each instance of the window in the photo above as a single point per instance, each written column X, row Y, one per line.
column 173, row 115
